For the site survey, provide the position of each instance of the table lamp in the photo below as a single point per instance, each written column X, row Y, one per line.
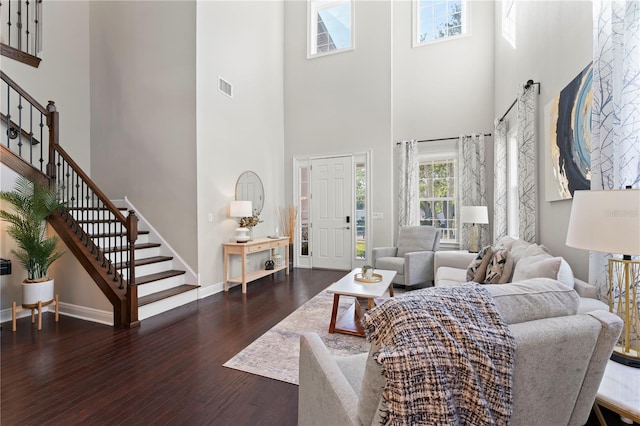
column 241, row 209
column 474, row 215
column 609, row 222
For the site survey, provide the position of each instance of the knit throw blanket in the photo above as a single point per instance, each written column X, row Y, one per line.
column 447, row 356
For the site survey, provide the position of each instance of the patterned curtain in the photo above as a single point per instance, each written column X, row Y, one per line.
column 472, row 183
column 527, row 165
column 500, row 180
column 615, row 117
column 408, row 208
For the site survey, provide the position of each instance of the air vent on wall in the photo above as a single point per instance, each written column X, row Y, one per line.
column 225, row 87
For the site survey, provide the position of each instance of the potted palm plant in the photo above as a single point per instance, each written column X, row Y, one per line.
column 32, row 204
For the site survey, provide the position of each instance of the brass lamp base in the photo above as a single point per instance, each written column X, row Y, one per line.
column 624, row 277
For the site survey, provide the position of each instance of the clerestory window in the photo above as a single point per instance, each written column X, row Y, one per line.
column 330, row 26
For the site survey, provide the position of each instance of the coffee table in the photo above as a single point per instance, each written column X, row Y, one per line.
column 349, row 322
column 619, row 391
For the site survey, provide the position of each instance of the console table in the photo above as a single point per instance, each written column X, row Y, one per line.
column 254, row 246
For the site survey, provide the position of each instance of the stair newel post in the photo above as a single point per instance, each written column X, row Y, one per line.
column 53, row 120
column 132, row 289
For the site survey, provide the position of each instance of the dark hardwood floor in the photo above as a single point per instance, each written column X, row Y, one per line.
column 168, row 371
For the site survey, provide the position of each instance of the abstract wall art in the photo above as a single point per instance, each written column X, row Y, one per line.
column 567, row 138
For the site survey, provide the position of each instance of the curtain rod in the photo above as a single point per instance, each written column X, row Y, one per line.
column 442, row 139
column 526, row 86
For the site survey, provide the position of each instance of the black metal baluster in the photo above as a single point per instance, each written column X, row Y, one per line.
column 27, row 33
column 9, row 25
column 31, row 134
column 9, row 114
column 20, row 125
column 41, row 140
column 19, row 25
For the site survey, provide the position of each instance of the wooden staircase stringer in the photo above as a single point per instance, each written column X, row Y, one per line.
column 104, row 281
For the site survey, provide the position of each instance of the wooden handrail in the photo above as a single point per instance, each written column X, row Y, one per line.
column 103, row 198
column 23, row 93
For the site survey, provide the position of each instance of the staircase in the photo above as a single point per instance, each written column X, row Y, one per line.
column 21, row 31
column 159, row 277
column 126, row 257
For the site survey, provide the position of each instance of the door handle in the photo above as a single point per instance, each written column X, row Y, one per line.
column 346, row 227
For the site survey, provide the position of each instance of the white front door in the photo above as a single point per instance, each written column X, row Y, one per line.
column 331, row 211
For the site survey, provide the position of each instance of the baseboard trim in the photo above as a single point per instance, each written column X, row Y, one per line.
column 84, row 313
column 210, row 290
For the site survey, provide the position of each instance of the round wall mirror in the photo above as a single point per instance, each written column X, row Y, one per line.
column 249, row 188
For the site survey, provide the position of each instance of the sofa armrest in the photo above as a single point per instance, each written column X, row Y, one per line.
column 453, row 259
column 584, row 289
column 324, row 394
column 418, row 267
column 379, row 252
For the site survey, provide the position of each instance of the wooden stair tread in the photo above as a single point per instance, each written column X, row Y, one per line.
column 158, row 276
column 135, row 247
column 84, row 209
column 145, row 261
column 164, row 294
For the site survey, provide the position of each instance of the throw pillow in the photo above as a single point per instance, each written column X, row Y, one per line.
column 506, row 242
column 544, row 266
column 477, row 270
column 500, row 267
column 518, row 248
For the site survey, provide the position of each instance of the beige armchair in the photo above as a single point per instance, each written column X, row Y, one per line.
column 413, row 257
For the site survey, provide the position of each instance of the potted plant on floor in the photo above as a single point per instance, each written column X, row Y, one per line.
column 32, row 204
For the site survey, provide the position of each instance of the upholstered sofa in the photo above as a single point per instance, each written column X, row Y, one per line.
column 559, row 361
column 412, row 258
column 527, row 261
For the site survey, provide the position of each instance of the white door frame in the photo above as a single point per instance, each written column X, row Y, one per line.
column 300, row 261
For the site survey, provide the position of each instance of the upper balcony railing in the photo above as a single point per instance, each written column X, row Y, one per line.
column 21, row 30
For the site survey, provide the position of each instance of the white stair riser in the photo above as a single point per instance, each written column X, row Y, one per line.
column 169, row 303
column 117, row 241
column 152, row 268
column 94, row 215
column 160, row 285
column 140, row 253
column 102, row 228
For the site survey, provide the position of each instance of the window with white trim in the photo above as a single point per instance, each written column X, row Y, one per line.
column 509, row 21
column 438, row 20
column 330, row 26
column 438, row 194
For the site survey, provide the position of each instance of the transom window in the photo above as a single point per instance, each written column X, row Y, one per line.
column 438, row 19
column 330, row 26
column 509, row 21
column 437, row 194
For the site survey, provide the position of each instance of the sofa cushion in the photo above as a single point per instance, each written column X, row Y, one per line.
column 534, row 299
column 371, row 390
column 446, row 275
column 588, row 304
column 352, row 366
column 477, row 269
column 500, row 267
column 545, row 266
column 518, row 247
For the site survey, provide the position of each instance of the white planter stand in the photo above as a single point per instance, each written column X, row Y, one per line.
column 35, row 296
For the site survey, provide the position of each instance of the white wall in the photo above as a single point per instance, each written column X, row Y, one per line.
column 143, row 111
column 341, row 103
column 63, row 76
column 242, row 42
column 553, row 44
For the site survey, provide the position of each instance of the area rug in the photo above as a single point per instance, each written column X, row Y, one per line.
column 275, row 353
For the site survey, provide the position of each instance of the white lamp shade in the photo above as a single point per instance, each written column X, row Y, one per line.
column 240, row 209
column 474, row 214
column 606, row 221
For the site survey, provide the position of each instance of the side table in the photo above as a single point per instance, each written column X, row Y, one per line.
column 619, row 391
column 254, row 246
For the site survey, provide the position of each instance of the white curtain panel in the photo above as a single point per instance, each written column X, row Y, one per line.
column 527, row 165
column 472, row 184
column 615, row 117
column 408, row 204
column 500, row 180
